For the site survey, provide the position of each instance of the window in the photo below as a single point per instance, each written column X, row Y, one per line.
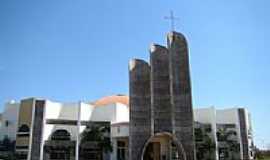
column 121, row 150
column 21, row 156
column 6, row 123
column 23, row 131
column 22, row 147
column 60, row 155
column 60, row 135
column 208, row 128
column 223, row 154
column 24, row 128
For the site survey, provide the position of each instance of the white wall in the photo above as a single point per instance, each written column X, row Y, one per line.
column 122, row 113
column 69, row 111
column 120, row 130
column 227, row 116
column 10, row 114
column 104, row 113
column 86, row 111
column 65, row 111
column 205, row 115
column 85, row 114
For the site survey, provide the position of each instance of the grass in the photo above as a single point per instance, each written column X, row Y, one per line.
column 265, row 158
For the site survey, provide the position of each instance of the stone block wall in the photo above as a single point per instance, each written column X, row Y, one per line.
column 181, row 97
column 140, row 102
column 161, row 98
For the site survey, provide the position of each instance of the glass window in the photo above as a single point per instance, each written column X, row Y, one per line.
column 61, row 134
column 6, row 123
column 24, row 128
column 60, row 155
column 121, row 150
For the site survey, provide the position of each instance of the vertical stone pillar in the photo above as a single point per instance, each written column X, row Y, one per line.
column 160, row 89
column 37, row 131
column 180, row 87
column 243, row 134
column 140, row 111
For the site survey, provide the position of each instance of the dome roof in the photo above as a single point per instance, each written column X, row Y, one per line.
column 112, row 99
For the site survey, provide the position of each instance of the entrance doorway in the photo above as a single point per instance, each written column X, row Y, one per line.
column 152, row 151
column 162, row 147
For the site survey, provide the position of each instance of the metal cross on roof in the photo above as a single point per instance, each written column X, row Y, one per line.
column 172, row 18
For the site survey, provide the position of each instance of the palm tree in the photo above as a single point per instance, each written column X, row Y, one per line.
column 204, row 145
column 8, row 147
column 221, row 134
column 232, row 145
column 209, row 146
column 97, row 135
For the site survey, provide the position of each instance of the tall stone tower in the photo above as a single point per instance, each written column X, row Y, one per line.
column 161, row 101
column 181, row 97
column 140, row 112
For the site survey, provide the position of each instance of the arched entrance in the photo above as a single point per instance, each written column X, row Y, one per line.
column 163, row 146
column 60, row 146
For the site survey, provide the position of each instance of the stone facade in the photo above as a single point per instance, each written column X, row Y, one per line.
column 140, row 102
column 244, row 134
column 160, row 89
column 181, row 97
column 161, row 102
column 36, row 142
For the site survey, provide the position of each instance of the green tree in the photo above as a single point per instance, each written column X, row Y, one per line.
column 8, row 145
column 97, row 135
column 204, row 145
column 8, row 149
column 228, row 136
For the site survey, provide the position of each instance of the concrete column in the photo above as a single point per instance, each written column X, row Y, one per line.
column 180, row 88
column 243, row 134
column 37, row 131
column 160, row 89
column 140, row 103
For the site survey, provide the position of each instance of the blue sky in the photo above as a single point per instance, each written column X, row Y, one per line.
column 68, row 50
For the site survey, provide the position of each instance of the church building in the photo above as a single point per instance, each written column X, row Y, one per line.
column 59, row 129
column 156, row 121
